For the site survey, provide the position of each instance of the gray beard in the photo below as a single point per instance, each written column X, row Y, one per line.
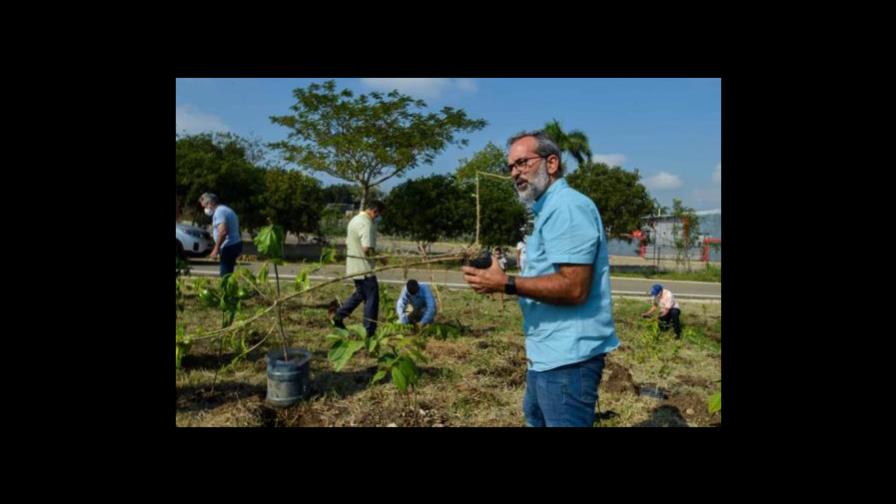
column 535, row 187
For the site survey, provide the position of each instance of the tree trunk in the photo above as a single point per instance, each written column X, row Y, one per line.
column 365, row 189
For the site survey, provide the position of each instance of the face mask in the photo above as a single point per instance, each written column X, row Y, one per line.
column 209, row 212
column 378, row 219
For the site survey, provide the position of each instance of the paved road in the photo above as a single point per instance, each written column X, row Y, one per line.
column 453, row 278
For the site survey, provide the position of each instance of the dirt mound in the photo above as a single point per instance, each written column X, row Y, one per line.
column 694, row 408
column 617, row 379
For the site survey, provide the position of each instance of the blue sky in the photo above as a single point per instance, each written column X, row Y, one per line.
column 668, row 129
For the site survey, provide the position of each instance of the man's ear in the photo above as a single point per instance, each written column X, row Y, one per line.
column 553, row 165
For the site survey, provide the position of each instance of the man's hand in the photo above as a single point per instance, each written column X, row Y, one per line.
column 645, row 315
column 485, row 281
column 214, row 254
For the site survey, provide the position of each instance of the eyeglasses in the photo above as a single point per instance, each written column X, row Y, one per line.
column 522, row 162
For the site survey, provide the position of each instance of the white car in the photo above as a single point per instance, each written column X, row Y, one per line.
column 193, row 241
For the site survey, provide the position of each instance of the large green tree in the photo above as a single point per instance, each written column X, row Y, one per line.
column 427, row 209
column 218, row 163
column 291, row 199
column 619, row 195
column 366, row 139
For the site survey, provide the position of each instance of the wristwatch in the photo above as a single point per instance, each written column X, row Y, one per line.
column 510, row 286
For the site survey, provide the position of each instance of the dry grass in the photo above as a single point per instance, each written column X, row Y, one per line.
column 477, row 379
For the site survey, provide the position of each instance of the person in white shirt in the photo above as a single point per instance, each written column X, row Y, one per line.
column 521, row 253
column 501, row 258
column 670, row 312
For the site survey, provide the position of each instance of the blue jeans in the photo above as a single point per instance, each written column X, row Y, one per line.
column 563, row 396
column 367, row 291
column 228, row 257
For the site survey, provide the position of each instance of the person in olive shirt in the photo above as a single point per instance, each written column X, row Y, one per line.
column 360, row 243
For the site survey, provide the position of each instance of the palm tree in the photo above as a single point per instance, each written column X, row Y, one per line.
column 574, row 143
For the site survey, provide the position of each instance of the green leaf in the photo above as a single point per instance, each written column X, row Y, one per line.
column 336, row 351
column 269, row 241
column 379, row 375
column 342, row 352
column 715, row 402
column 334, row 337
column 359, row 330
column 399, row 379
column 409, row 370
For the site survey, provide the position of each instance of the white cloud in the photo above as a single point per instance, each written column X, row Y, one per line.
column 187, row 118
column 609, row 159
column 662, row 181
column 421, row 87
column 717, row 174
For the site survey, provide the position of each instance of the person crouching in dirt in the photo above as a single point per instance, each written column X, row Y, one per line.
column 564, row 293
column 415, row 304
column 670, row 312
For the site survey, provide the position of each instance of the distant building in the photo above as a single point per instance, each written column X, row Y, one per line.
column 661, row 232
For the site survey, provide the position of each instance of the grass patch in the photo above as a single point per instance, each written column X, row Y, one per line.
column 710, row 273
column 476, row 379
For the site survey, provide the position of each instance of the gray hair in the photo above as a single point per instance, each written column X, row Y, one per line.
column 209, row 198
column 546, row 146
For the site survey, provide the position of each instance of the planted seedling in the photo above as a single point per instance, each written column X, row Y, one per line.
column 396, row 349
column 269, row 243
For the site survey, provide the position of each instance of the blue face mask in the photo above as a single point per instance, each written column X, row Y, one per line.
column 378, row 219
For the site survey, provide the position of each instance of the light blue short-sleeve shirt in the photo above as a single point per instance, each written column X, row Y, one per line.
column 231, row 221
column 567, row 230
